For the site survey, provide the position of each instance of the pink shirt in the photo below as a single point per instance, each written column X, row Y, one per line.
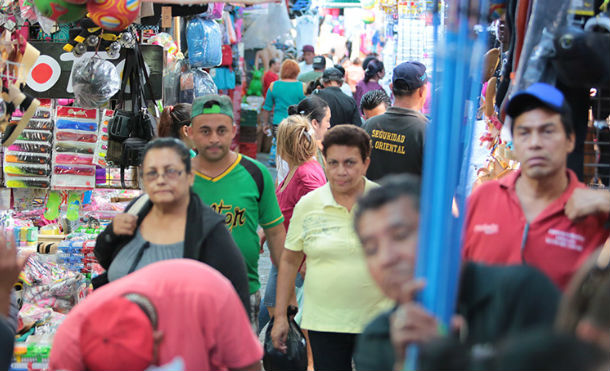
column 306, row 178
column 200, row 315
column 496, row 231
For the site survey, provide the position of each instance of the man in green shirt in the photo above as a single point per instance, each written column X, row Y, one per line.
column 235, row 186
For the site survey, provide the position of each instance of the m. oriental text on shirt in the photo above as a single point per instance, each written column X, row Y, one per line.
column 391, row 137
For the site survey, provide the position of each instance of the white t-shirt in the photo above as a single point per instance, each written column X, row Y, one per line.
column 305, row 67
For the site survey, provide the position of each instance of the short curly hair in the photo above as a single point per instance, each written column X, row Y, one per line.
column 348, row 135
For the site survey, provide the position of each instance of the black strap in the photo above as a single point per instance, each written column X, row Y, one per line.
column 256, row 174
column 146, row 77
column 127, row 72
column 138, row 257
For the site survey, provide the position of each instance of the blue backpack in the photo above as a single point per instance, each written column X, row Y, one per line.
column 204, row 40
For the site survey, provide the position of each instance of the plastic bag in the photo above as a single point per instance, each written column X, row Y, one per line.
column 295, row 357
column 538, row 49
column 204, row 39
column 95, row 81
column 267, row 26
column 204, row 84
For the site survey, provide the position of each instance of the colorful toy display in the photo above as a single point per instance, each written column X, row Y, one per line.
column 113, row 15
column 61, row 11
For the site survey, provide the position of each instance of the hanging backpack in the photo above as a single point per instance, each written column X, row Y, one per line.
column 204, row 40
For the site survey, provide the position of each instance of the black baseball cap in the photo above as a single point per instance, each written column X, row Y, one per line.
column 409, row 75
column 340, row 68
column 332, row 74
column 319, row 62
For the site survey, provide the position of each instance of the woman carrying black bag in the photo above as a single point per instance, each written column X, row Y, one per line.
column 170, row 222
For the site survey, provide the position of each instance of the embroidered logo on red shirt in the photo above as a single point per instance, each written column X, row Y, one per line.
column 566, row 240
column 487, row 228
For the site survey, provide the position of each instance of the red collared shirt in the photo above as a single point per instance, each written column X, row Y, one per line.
column 496, row 231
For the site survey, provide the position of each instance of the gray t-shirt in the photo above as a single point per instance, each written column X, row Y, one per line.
column 124, row 260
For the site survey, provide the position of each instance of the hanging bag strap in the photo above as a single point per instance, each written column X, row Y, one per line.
column 127, row 72
column 146, row 80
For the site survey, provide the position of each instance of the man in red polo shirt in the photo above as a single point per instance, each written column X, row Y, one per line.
column 540, row 215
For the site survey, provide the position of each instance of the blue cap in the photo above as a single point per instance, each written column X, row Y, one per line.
column 547, row 95
column 409, row 75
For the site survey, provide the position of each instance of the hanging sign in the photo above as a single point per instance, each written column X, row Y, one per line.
column 51, row 74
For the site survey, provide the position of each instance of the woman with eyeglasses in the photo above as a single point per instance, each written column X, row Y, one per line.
column 169, row 221
column 340, row 294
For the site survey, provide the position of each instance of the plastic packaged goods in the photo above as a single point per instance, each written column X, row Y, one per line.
column 101, row 148
column 95, row 81
column 204, row 39
column 26, row 158
column 203, row 83
column 63, row 124
column 40, row 124
column 76, row 137
column 72, row 159
column 27, row 170
column 25, row 146
column 35, row 135
column 74, row 147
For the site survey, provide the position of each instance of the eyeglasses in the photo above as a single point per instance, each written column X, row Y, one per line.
column 169, row 174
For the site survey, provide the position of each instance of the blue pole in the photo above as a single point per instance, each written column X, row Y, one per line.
column 456, row 78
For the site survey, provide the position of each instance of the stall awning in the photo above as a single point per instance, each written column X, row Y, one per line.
column 333, row 4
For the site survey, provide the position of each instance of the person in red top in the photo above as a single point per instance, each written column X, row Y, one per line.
column 178, row 312
column 271, row 75
column 540, row 215
column 297, row 145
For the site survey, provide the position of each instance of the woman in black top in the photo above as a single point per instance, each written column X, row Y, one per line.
column 168, row 222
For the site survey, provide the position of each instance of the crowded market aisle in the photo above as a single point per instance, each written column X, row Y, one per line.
column 303, row 185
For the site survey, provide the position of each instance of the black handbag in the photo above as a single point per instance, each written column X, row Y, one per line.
column 129, row 131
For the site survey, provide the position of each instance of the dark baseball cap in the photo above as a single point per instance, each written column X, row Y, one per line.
column 547, row 95
column 332, row 74
column 409, row 75
column 340, row 68
column 319, row 62
column 308, row 48
column 208, row 104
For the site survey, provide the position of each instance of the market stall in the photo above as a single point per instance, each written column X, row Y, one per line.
column 83, row 84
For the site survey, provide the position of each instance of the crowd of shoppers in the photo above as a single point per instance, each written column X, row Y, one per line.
column 182, row 259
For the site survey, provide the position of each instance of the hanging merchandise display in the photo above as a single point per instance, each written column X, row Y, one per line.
column 101, row 149
column 95, row 81
column 76, row 135
column 78, row 106
column 61, row 11
column 113, row 15
column 204, row 40
column 129, row 131
column 27, row 161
